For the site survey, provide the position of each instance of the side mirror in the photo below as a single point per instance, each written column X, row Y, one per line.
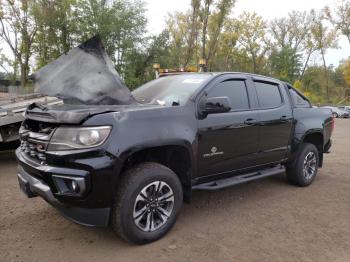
column 215, row 105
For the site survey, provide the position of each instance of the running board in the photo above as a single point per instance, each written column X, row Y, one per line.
column 236, row 180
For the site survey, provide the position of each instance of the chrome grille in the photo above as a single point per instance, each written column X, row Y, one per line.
column 34, row 149
column 35, row 137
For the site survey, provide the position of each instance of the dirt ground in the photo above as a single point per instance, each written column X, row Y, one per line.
column 266, row 220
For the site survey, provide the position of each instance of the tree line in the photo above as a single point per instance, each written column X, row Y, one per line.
column 38, row 31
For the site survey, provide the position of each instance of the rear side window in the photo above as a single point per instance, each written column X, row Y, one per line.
column 268, row 94
column 297, row 99
column 235, row 90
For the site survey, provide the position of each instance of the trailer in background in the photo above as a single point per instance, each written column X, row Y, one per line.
column 12, row 114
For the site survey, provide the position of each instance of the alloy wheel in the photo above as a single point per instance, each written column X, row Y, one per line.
column 153, row 206
column 309, row 166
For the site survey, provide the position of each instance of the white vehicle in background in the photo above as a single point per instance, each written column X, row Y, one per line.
column 346, row 108
column 338, row 113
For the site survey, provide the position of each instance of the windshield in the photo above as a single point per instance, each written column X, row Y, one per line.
column 170, row 90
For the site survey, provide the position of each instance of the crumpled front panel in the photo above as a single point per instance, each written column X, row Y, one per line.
column 83, row 75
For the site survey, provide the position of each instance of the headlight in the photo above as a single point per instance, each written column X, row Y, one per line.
column 66, row 138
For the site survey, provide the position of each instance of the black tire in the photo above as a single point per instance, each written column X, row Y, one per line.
column 295, row 170
column 128, row 196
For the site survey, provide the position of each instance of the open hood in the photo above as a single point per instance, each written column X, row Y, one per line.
column 85, row 75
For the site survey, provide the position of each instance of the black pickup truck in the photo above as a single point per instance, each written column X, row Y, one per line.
column 128, row 160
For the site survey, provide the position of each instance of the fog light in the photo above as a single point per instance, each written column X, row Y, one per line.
column 72, row 186
column 75, row 186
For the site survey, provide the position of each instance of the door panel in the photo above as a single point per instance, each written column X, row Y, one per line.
column 275, row 132
column 228, row 141
column 275, row 123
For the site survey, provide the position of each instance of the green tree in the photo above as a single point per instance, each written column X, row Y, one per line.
column 179, row 28
column 253, row 39
column 212, row 21
column 139, row 68
column 310, row 46
column 193, row 31
column 285, row 64
column 204, row 21
column 56, row 29
column 195, row 34
column 314, row 85
column 292, row 33
column 228, row 54
column 345, row 69
column 324, row 38
column 215, row 26
column 120, row 24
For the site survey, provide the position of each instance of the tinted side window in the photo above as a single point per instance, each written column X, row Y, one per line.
column 268, row 94
column 298, row 100
column 235, row 90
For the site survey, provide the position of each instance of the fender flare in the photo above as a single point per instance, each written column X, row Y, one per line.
column 298, row 141
column 190, row 147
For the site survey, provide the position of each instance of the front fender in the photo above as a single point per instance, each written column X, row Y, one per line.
column 156, row 144
column 144, row 128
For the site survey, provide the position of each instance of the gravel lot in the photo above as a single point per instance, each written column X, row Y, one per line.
column 265, row 220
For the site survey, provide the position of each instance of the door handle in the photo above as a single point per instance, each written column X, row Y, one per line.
column 250, row 122
column 284, row 118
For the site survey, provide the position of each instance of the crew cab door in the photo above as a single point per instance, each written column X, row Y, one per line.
column 276, row 120
column 228, row 141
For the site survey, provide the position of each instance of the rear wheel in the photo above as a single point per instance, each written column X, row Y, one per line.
column 147, row 202
column 303, row 170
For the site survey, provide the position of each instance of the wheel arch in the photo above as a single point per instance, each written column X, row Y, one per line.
column 314, row 137
column 177, row 156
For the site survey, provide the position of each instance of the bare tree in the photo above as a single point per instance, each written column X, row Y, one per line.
column 195, row 4
column 18, row 30
column 292, row 30
column 205, row 20
column 340, row 17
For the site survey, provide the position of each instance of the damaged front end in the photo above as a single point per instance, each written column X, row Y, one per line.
column 60, row 161
column 61, row 155
column 66, row 113
column 63, row 152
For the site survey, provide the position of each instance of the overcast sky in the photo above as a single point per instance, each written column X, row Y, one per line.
column 157, row 11
column 269, row 9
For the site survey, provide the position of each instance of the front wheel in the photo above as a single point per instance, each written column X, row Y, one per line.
column 147, row 202
column 303, row 170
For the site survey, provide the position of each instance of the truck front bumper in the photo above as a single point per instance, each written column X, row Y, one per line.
column 33, row 186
